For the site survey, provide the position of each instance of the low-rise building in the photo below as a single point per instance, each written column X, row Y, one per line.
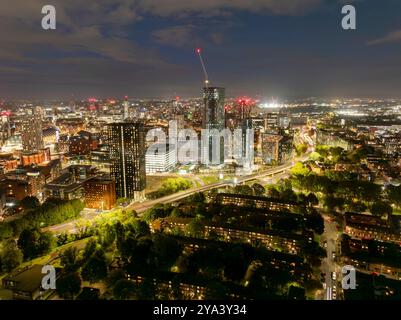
column 363, row 226
column 26, row 284
column 274, row 240
column 255, row 201
column 100, row 193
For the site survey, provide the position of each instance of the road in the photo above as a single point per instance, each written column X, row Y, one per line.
column 329, row 265
column 141, row 207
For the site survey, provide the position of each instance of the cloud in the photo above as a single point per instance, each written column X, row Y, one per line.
column 177, row 36
column 217, row 7
column 391, row 37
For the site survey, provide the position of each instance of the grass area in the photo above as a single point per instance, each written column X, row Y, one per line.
column 153, row 183
column 209, row 179
column 397, row 211
column 6, row 294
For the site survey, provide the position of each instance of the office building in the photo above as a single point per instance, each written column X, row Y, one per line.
column 161, row 158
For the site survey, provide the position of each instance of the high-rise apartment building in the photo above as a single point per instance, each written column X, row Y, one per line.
column 126, row 142
column 31, row 131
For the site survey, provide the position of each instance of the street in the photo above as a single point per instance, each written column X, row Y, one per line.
column 329, row 267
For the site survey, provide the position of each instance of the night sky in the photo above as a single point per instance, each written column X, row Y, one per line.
column 146, row 48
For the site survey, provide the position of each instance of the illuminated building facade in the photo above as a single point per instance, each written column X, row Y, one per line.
column 39, row 157
column 100, row 193
column 213, row 118
column 276, row 149
column 32, row 135
column 127, row 158
column 162, row 159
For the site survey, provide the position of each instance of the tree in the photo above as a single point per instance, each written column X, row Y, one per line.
column 336, row 153
column 177, row 213
column 90, row 248
column 165, row 250
column 6, row 231
column 95, row 268
column 30, row 203
column 146, row 290
column 69, row 285
column 299, row 170
column 124, row 289
column 11, row 256
column 314, row 156
column 258, row 189
column 381, row 208
column 69, row 259
column 195, row 228
column 394, row 195
column 315, row 222
column 272, row 192
column 122, row 201
column 34, row 243
column 216, row 291
column 243, row 190
column 174, row 185
column 312, row 199
column 301, row 149
column 154, row 213
column 138, row 227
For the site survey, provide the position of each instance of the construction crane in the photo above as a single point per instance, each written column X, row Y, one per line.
column 199, row 52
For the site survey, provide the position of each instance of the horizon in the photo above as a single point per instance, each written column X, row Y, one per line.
column 148, row 49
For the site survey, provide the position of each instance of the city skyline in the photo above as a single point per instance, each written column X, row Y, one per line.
column 218, row 150
column 147, row 49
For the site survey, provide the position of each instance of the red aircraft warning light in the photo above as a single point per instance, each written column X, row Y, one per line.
column 6, row 113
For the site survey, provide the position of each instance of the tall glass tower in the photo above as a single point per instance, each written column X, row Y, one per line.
column 213, row 118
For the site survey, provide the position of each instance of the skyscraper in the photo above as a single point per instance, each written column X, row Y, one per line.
column 32, row 135
column 126, row 108
column 213, row 118
column 127, row 158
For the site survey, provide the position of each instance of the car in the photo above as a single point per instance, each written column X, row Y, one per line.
column 334, row 276
column 334, row 255
column 325, row 244
column 334, row 296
